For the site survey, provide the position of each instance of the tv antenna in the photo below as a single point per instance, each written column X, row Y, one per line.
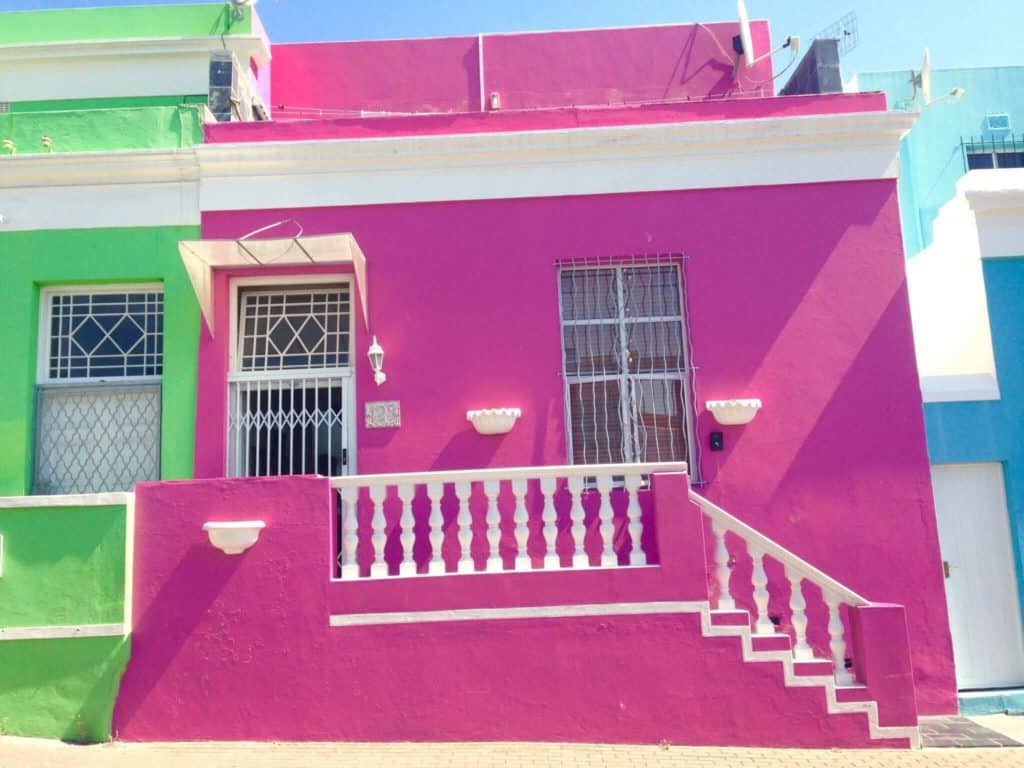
column 844, row 31
column 743, row 43
column 238, row 8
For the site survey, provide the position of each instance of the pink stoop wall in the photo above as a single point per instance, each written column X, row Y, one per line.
column 795, row 294
column 239, row 647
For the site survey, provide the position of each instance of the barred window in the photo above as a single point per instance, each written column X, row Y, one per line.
column 290, row 389
column 624, row 362
column 98, row 409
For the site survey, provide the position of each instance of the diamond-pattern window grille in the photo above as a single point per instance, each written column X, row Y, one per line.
column 105, row 335
column 91, row 439
column 294, row 329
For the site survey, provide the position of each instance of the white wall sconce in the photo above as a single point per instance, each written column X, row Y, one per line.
column 47, row 143
column 494, row 421
column 233, row 538
column 376, row 355
column 8, row 145
column 730, row 413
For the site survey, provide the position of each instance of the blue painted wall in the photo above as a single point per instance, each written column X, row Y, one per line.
column 993, row 431
column 931, row 159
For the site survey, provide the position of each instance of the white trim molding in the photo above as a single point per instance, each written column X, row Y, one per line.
column 996, row 197
column 61, row 632
column 82, row 190
column 67, row 500
column 959, row 387
column 577, row 161
column 171, row 187
column 131, row 67
column 528, row 612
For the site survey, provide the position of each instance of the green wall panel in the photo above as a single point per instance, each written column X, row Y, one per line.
column 62, row 566
column 31, row 260
column 146, row 127
column 61, row 689
column 116, row 23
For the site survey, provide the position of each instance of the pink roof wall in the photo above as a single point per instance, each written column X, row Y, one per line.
column 530, row 70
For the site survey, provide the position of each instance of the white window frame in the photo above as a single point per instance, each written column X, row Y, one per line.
column 237, row 286
column 46, row 296
column 628, row 420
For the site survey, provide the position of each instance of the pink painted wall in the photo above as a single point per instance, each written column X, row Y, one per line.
column 546, row 119
column 530, row 70
column 240, row 647
column 802, row 308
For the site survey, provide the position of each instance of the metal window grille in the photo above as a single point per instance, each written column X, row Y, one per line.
column 624, row 361
column 993, row 152
column 105, row 335
column 98, row 398
column 96, row 438
column 289, row 398
column 292, row 329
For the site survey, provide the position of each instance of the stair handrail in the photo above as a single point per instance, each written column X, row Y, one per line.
column 777, row 551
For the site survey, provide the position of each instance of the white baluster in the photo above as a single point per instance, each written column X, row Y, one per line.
column 521, row 518
column 722, row 569
column 797, row 606
column 408, row 565
column 579, row 555
column 435, row 491
column 550, row 518
column 491, row 490
column 837, row 641
column 349, row 532
column 763, row 625
column 637, row 556
column 465, row 520
column 379, row 567
column 607, row 528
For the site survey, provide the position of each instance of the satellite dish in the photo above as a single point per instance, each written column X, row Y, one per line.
column 922, row 81
column 745, row 38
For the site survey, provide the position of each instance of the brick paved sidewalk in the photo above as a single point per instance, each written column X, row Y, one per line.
column 37, row 753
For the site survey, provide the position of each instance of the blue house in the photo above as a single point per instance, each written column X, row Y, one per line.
column 962, row 206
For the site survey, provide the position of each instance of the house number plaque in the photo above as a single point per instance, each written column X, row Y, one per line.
column 383, row 413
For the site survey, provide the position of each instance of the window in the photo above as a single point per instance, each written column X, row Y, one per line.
column 976, row 160
column 290, row 382
column 98, row 393
column 624, row 361
column 1005, row 151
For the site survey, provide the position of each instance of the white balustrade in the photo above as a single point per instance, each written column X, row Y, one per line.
column 611, row 488
column 796, row 570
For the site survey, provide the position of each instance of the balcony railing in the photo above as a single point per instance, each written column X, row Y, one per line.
column 493, row 520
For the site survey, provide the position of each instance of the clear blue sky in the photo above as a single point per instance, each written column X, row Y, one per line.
column 893, row 35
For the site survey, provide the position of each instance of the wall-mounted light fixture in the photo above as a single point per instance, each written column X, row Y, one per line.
column 8, row 145
column 233, row 538
column 376, row 355
column 732, row 412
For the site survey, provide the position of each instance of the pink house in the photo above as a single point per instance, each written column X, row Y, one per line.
column 588, row 364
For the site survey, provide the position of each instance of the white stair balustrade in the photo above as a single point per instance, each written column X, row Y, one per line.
column 530, row 492
column 796, row 572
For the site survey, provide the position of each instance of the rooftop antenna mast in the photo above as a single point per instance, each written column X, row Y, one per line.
column 844, row 31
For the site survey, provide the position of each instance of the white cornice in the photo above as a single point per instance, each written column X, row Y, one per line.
column 336, row 172
column 694, row 155
column 243, row 45
column 141, row 166
column 996, row 198
column 112, row 499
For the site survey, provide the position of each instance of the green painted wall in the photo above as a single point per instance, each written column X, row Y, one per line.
column 118, row 23
column 61, row 689
column 62, row 566
column 114, row 102
column 31, row 260
column 155, row 127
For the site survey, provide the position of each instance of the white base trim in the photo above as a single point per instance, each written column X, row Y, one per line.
column 59, row 632
column 529, row 612
column 959, row 387
column 791, row 679
column 67, row 500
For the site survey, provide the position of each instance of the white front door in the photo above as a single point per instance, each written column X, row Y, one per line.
column 981, row 582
